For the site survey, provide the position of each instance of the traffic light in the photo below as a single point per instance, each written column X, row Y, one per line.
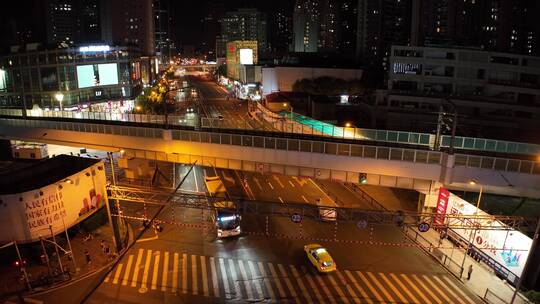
column 363, row 178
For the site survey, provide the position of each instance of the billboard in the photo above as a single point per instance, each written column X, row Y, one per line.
column 246, row 56
column 60, row 205
column 507, row 247
column 3, row 81
column 49, row 79
column 93, row 75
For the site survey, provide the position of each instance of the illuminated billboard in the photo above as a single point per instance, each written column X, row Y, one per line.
column 3, row 81
column 94, row 75
column 246, row 56
column 507, row 247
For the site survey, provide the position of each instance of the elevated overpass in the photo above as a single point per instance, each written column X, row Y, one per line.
column 398, row 163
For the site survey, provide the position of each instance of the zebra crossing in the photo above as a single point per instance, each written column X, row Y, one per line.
column 247, row 280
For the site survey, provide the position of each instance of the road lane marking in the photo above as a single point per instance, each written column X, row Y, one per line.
column 184, row 273
column 276, row 280
column 108, row 277
column 394, row 289
column 370, row 287
column 439, row 291
column 314, row 287
column 117, row 273
column 428, row 290
column 305, row 199
column 175, row 273
column 165, row 271
column 137, row 268
column 365, row 296
column 381, row 286
column 223, row 271
column 246, row 280
column 288, row 282
column 301, row 284
column 266, row 281
column 237, row 287
column 214, row 277
column 257, row 182
column 156, row 272
column 348, row 286
column 146, row 270
column 340, row 292
column 449, row 289
column 281, row 200
column 269, row 184
column 276, row 178
column 413, row 285
column 128, row 270
column 449, row 281
column 256, row 279
column 404, row 288
column 204, row 277
column 194, row 283
column 329, row 295
column 195, row 178
column 292, row 185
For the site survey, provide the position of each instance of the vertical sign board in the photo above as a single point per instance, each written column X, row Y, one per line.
column 442, row 204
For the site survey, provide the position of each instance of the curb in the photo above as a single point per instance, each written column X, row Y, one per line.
column 428, row 253
column 85, row 276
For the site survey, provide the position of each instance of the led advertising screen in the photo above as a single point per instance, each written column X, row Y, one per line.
column 93, row 75
column 49, row 79
column 2, row 80
column 246, row 56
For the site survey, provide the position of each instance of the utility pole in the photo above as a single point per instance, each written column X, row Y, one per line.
column 527, row 262
column 56, row 249
column 46, row 256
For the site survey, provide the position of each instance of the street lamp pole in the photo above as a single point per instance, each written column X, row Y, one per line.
column 59, row 97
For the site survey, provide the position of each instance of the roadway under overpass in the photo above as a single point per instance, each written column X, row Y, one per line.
column 402, row 167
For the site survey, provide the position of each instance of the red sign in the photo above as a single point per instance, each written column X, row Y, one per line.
column 442, row 204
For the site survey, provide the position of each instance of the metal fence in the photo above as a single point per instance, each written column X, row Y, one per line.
column 312, row 146
column 298, row 125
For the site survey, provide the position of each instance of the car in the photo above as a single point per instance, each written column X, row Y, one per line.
column 320, row 258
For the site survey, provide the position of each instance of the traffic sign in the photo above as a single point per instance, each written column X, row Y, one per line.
column 362, row 224
column 423, row 227
column 296, row 218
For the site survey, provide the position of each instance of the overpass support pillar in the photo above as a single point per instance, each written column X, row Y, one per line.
column 447, row 168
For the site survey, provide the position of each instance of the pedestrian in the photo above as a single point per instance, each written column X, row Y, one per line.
column 88, row 257
column 102, row 244
column 469, row 272
column 107, row 249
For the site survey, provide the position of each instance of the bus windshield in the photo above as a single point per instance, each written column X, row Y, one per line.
column 227, row 220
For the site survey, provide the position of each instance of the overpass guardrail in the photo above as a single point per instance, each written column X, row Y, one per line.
column 299, row 126
column 288, row 144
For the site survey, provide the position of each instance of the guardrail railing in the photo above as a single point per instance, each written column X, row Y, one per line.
column 295, row 124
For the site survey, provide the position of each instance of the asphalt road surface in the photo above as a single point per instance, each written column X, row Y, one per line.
column 187, row 263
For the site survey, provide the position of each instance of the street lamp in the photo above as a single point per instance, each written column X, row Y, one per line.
column 474, row 183
column 348, row 125
column 59, row 97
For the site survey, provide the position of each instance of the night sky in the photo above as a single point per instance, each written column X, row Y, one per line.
column 187, row 14
column 188, row 17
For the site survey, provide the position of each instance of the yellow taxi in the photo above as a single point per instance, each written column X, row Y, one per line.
column 320, row 258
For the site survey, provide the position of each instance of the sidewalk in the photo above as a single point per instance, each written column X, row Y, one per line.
column 484, row 282
column 38, row 272
column 482, row 277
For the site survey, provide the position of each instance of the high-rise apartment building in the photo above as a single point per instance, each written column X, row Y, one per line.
column 280, row 37
column 133, row 24
column 245, row 24
column 382, row 23
column 306, row 22
column 62, row 22
column 496, row 25
column 210, row 44
column 164, row 42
